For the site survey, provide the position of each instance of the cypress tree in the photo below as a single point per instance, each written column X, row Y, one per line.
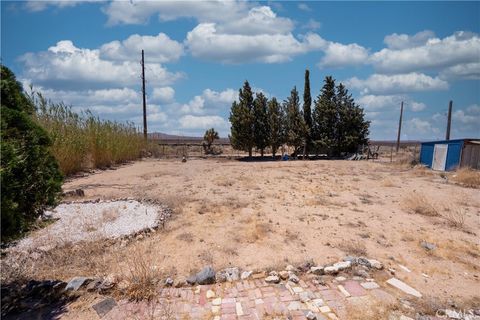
column 276, row 125
column 307, row 111
column 30, row 178
column 325, row 117
column 260, row 122
column 241, row 119
column 296, row 129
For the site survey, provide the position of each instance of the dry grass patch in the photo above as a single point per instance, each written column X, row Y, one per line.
column 417, row 203
column 455, row 217
column 371, row 310
column 467, row 177
column 142, row 277
column 355, row 248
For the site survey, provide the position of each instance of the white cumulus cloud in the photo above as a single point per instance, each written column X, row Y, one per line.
column 64, row 66
column 340, row 55
column 435, row 54
column 398, row 83
column 159, row 48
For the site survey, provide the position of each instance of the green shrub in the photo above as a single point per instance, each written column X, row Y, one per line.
column 30, row 177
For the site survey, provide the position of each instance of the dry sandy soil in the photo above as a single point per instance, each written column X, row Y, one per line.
column 266, row 214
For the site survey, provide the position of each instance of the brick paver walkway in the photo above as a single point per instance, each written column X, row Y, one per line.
column 252, row 299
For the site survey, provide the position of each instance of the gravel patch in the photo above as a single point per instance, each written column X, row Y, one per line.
column 93, row 221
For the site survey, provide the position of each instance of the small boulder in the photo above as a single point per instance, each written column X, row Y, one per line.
column 293, row 278
column 343, row 265
column 192, row 280
column 428, row 246
column 283, row 275
column 290, row 268
column 317, row 270
column 272, row 279
column 206, row 276
column 375, row 264
column 330, row 270
column 361, row 273
column 169, row 282
column 232, row 274
column 245, row 275
column 311, row 316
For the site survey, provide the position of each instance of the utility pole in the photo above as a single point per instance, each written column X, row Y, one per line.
column 144, row 99
column 399, row 127
column 449, row 121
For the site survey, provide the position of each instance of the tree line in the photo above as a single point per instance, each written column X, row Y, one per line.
column 336, row 125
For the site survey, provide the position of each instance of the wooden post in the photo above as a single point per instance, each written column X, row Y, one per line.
column 144, row 99
column 449, row 120
column 399, row 127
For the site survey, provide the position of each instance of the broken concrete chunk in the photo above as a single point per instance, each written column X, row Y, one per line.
column 404, row 287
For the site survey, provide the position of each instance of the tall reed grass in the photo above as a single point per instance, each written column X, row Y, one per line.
column 83, row 141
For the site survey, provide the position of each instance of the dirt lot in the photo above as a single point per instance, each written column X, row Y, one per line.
column 266, row 214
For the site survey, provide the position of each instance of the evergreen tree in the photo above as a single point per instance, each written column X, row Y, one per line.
column 241, row 119
column 29, row 174
column 325, row 117
column 260, row 123
column 296, row 129
column 276, row 125
column 307, row 111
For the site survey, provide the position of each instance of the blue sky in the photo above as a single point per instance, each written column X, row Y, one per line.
column 199, row 53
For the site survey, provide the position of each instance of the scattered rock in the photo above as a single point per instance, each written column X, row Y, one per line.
column 192, row 280
column 228, row 274
column 375, row 264
column 169, row 282
column 93, row 285
column 210, row 294
column 180, row 282
column 340, row 279
column 317, row 270
column 272, row 279
column 206, row 276
column 311, row 316
column 75, row 283
column 291, row 268
column 361, row 273
column 273, row 273
column 428, row 246
column 245, row 275
column 283, row 275
column 330, row 270
column 74, row 193
column 293, row 278
column 304, row 267
column 104, row 306
column 342, row 265
column 353, row 260
column 363, row 262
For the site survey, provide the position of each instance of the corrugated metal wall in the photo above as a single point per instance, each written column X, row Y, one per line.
column 426, row 154
column 471, row 156
column 453, row 155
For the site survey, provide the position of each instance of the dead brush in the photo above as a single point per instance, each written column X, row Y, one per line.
column 417, row 203
column 142, row 277
column 455, row 217
column 467, row 177
column 354, row 248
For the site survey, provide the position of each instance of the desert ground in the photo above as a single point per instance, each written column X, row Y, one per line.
column 265, row 215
